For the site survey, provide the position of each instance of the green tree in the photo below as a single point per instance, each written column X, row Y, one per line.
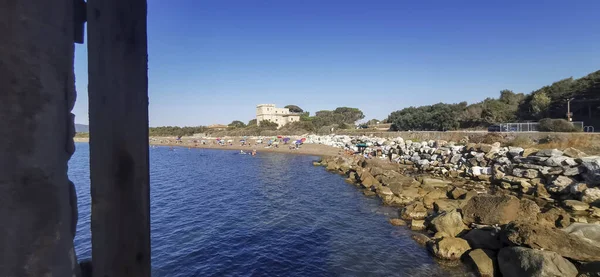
column 294, row 108
column 349, row 115
column 237, row 124
column 252, row 122
column 539, row 104
column 373, row 121
column 305, row 116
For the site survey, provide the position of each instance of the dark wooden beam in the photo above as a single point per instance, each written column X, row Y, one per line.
column 118, row 115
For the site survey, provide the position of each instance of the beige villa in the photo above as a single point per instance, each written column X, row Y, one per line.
column 281, row 116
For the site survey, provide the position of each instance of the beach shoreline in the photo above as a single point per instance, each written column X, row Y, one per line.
column 319, row 150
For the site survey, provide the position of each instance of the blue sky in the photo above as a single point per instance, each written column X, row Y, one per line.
column 214, row 61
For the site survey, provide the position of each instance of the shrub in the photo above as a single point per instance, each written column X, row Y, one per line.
column 298, row 127
column 268, row 125
column 556, row 125
column 521, row 141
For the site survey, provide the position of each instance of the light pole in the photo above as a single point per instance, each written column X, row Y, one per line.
column 569, row 115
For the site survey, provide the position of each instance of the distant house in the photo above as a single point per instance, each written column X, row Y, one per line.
column 217, row 127
column 281, row 116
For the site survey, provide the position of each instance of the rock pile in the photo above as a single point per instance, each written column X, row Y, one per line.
column 548, row 174
column 506, row 210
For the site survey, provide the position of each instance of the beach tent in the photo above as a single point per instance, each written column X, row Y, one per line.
column 285, row 140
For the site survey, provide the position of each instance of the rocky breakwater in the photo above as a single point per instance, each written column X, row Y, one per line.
column 506, row 211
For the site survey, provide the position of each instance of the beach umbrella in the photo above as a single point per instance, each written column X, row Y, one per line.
column 286, row 140
column 303, row 140
column 279, row 137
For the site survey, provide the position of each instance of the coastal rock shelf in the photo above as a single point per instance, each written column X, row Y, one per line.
column 507, row 211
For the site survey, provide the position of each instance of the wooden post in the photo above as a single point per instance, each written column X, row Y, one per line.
column 118, row 115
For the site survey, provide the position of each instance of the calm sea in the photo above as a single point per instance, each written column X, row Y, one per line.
column 218, row 213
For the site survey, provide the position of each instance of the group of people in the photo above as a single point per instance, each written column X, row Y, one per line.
column 253, row 153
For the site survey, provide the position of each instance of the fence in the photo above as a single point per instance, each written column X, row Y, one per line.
column 534, row 127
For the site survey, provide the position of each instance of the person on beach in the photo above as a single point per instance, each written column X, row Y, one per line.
column 254, row 152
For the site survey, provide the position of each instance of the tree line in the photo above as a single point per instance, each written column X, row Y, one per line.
column 546, row 102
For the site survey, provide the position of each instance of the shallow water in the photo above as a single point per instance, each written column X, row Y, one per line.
column 218, row 213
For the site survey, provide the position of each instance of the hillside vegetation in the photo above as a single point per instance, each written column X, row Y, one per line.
column 546, row 102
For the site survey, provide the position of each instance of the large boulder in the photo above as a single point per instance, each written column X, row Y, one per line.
column 433, row 195
column 367, row 180
column 415, row 210
column 489, row 210
column 435, row 182
column 586, row 231
column 548, row 153
column 538, row 236
column 484, row 262
column 458, row 193
column 591, row 196
column 449, row 248
column 561, row 184
column 448, row 224
column 575, row 206
column 417, row 224
column 574, row 153
column 441, row 205
column 592, row 170
column 555, row 217
column 521, row 261
column 483, row 238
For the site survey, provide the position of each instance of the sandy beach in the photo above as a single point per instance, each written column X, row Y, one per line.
column 305, row 149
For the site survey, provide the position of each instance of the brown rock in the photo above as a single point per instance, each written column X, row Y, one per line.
column 541, row 192
column 449, row 248
column 367, row 180
column 368, row 192
column 484, row 262
column 448, row 223
column 415, row 210
column 576, row 206
column 441, row 205
column 420, row 238
column 555, row 217
column 417, row 224
column 471, row 194
column 433, row 195
column 397, row 222
column 574, row 153
column 529, row 151
column 538, row 236
column 458, row 193
column 489, row 210
column 435, row 182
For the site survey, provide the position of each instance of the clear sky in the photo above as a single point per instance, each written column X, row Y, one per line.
column 214, row 61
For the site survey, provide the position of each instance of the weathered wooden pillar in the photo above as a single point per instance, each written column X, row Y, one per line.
column 118, row 113
column 38, row 209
